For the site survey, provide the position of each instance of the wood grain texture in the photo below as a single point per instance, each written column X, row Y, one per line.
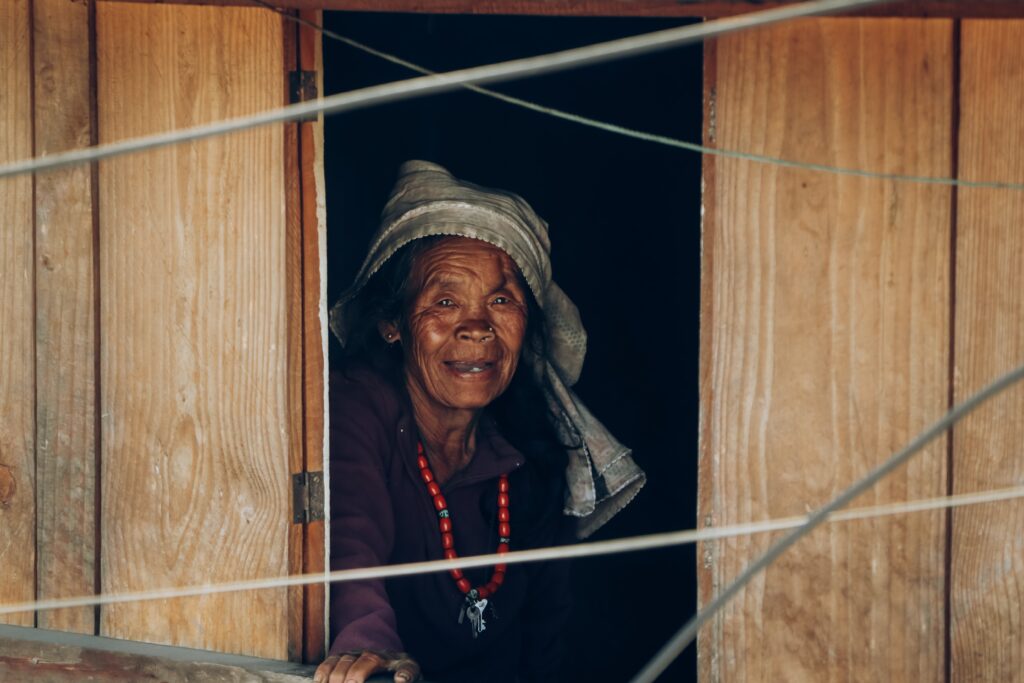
column 65, row 332
column 194, row 404
column 17, row 380
column 314, row 329
column 635, row 8
column 826, row 334
column 987, row 590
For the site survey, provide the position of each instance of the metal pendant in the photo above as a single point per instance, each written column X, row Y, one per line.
column 474, row 609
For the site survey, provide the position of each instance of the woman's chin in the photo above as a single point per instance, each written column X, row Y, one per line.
column 471, row 392
column 472, row 400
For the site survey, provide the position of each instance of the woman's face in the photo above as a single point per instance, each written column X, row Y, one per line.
column 464, row 325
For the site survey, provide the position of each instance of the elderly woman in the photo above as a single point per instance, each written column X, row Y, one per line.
column 454, row 433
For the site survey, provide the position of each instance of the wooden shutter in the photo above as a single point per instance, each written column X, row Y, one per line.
column 825, row 344
column 193, row 319
column 161, row 325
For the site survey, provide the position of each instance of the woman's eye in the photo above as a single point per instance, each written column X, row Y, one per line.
column 445, row 303
column 502, row 300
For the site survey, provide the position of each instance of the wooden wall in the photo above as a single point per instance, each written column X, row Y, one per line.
column 153, row 332
column 832, row 331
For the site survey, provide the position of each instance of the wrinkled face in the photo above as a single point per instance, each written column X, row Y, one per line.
column 464, row 325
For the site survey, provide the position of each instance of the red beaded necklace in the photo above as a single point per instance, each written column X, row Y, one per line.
column 476, row 598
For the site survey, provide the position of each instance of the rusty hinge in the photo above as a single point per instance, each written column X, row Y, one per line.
column 307, row 497
column 302, row 88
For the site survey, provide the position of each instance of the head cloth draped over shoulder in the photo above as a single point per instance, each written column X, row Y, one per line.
column 428, row 201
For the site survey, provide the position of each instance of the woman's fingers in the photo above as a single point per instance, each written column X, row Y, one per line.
column 408, row 672
column 360, row 669
column 342, row 667
column 406, row 669
column 324, row 670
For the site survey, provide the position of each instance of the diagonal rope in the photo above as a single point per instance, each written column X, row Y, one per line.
column 688, row 632
column 593, row 549
column 438, row 83
column 645, row 136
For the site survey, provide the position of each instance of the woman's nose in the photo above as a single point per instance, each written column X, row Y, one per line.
column 475, row 330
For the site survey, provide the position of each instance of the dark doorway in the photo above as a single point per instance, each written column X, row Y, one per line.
column 624, row 217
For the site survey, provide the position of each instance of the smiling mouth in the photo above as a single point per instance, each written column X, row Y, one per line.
column 469, row 367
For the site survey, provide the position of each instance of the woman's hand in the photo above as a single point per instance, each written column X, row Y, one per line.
column 358, row 666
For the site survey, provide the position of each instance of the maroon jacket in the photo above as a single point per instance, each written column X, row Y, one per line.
column 381, row 513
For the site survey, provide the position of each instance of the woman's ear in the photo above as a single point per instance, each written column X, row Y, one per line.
column 389, row 331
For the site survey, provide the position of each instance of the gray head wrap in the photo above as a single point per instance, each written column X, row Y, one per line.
column 428, row 201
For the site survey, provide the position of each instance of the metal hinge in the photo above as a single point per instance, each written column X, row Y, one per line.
column 302, row 88
column 307, row 497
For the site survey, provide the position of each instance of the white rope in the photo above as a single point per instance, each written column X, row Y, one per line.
column 438, row 83
column 652, row 137
column 667, row 654
column 612, row 547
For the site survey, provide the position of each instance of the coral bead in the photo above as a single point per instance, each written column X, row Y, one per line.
column 503, row 485
column 427, row 475
column 504, row 530
column 502, row 548
column 445, row 524
column 423, row 462
column 503, row 514
column 433, row 488
column 500, row 569
column 491, row 587
column 440, row 503
column 456, row 574
column 503, row 500
column 447, row 541
column 483, row 592
column 449, row 554
column 463, row 584
column 498, row 579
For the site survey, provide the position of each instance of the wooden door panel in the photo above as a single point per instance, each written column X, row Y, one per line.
column 193, row 315
column 825, row 344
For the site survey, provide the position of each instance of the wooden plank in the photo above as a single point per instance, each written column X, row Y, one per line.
column 826, row 341
column 17, row 380
column 65, row 332
column 314, row 327
column 56, row 657
column 987, row 633
column 18, row 637
column 194, row 402
column 634, row 8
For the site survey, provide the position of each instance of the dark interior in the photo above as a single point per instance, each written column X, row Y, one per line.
column 625, row 228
